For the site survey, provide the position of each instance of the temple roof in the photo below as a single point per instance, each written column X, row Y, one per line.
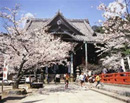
column 82, row 27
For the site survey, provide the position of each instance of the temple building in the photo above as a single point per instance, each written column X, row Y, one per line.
column 76, row 31
column 70, row 30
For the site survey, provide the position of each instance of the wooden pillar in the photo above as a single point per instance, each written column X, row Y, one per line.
column 35, row 74
column 123, row 65
column 128, row 59
column 86, row 55
column 71, row 64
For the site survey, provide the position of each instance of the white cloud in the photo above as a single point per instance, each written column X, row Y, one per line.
column 27, row 16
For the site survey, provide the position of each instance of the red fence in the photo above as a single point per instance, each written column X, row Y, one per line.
column 116, row 78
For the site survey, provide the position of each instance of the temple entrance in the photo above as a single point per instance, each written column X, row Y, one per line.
column 57, row 69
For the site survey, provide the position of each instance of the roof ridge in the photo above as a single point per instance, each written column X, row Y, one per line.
column 40, row 19
column 45, row 19
column 78, row 20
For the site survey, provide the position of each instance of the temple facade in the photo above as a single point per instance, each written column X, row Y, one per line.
column 76, row 31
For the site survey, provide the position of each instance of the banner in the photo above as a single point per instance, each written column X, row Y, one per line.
column 5, row 73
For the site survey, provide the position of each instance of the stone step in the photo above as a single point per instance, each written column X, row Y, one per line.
column 113, row 95
column 118, row 89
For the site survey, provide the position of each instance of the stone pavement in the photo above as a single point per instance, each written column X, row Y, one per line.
column 74, row 94
column 120, row 92
column 123, row 90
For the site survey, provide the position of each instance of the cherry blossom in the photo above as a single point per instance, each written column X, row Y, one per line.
column 117, row 30
column 24, row 51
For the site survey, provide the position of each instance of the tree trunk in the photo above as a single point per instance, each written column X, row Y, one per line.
column 19, row 75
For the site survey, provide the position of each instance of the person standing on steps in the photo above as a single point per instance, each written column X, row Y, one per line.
column 66, row 80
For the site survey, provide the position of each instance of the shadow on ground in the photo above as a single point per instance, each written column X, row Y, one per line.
column 6, row 99
column 33, row 101
column 58, row 88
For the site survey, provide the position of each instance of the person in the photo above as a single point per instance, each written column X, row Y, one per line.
column 85, row 77
column 64, row 77
column 27, row 79
column 90, row 79
column 120, row 69
column 81, row 77
column 46, row 69
column 56, row 68
column 89, row 73
column 104, row 70
column 57, row 78
column 47, row 78
column 66, row 80
column 98, row 78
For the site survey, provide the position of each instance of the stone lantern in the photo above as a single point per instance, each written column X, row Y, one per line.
column 77, row 73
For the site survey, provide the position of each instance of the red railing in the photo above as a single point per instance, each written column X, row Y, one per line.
column 116, row 78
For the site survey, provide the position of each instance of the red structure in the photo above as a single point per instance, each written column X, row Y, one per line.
column 116, row 78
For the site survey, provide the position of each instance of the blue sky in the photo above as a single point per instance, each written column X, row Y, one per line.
column 78, row 9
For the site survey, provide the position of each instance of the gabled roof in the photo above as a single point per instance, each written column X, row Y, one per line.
column 59, row 17
column 81, row 26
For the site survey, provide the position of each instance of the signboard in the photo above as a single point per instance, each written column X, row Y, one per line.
column 5, row 73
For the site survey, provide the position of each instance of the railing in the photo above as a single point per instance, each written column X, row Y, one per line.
column 116, row 78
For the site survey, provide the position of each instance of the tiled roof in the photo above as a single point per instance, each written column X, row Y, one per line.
column 82, row 25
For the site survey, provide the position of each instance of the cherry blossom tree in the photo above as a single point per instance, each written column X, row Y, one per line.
column 116, row 25
column 24, row 51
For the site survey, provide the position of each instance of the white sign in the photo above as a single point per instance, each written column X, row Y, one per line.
column 5, row 73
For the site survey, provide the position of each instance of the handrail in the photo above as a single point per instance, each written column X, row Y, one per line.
column 116, row 78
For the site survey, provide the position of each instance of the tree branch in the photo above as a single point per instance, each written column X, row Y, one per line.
column 25, row 48
column 18, row 53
